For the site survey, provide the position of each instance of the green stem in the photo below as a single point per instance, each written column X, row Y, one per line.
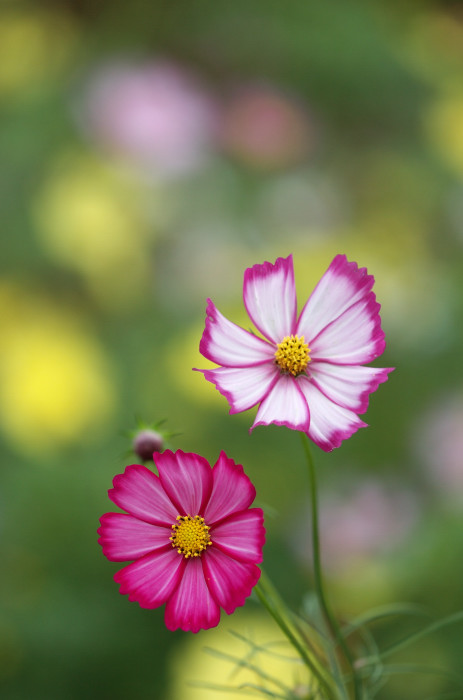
column 330, row 619
column 274, row 606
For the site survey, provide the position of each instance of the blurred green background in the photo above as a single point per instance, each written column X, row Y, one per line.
column 150, row 152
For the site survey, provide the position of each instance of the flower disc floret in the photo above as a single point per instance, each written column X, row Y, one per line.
column 195, row 564
column 292, row 355
column 191, row 535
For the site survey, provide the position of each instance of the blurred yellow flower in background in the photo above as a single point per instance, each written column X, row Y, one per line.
column 193, row 669
column 55, row 386
column 89, row 218
column 36, row 45
column 444, row 127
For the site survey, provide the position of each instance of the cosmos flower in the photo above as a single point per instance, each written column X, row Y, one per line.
column 307, row 371
column 194, row 541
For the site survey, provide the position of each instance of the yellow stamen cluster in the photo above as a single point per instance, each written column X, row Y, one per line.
column 292, row 355
column 190, row 536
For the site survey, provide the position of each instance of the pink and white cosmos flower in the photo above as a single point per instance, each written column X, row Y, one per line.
column 193, row 539
column 307, row 371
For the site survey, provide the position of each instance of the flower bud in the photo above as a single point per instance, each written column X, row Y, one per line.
column 146, row 442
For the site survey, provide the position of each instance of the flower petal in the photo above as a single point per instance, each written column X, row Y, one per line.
column 342, row 285
column 243, row 387
column 353, row 338
column 124, row 537
column 151, row 580
column 192, row 606
column 348, row 385
column 269, row 294
column 284, row 405
column 230, row 581
column 330, row 424
column 241, row 536
column 232, row 490
column 186, row 478
column 227, row 344
column 140, row 492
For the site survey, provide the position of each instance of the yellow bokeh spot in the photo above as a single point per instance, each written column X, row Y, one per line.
column 55, row 385
column 444, row 127
column 88, row 218
column 191, row 665
column 36, row 45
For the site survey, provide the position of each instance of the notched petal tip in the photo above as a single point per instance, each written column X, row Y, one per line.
column 269, row 295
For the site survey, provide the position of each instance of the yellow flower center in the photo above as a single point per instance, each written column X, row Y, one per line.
column 190, row 536
column 292, row 355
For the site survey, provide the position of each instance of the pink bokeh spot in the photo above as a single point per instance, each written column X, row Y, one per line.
column 154, row 113
column 358, row 524
column 194, row 584
column 266, row 129
column 341, row 324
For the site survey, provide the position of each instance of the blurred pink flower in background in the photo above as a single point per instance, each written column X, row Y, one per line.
column 438, row 443
column 265, row 128
column 153, row 113
column 359, row 524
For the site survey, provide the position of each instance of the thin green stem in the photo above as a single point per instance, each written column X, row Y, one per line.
column 329, row 618
column 274, row 606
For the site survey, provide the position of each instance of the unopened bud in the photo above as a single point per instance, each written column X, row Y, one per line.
column 146, row 442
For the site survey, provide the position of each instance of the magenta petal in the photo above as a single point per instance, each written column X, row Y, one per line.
column 354, row 338
column 232, row 490
column 124, row 537
column 348, row 385
column 151, row 580
column 192, row 606
column 230, row 581
column 330, row 424
column 140, row 493
column 269, row 294
column 243, row 387
column 241, row 536
column 284, row 405
column 227, row 344
column 342, row 285
column 187, row 479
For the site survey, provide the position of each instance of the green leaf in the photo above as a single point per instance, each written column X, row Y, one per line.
column 384, row 612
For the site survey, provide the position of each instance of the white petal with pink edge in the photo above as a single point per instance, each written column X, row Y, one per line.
column 284, row 405
column 330, row 424
column 348, row 385
column 342, row 285
column 186, row 478
column 230, row 581
column 232, row 490
column 124, row 537
column 230, row 345
column 243, row 387
column 140, row 493
column 151, row 580
column 353, row 338
column 269, row 294
column 241, row 536
column 192, row 607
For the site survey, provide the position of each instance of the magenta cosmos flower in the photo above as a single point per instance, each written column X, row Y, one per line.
column 194, row 541
column 307, row 371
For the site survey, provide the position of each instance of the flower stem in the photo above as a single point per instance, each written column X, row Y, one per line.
column 328, row 616
column 270, row 599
